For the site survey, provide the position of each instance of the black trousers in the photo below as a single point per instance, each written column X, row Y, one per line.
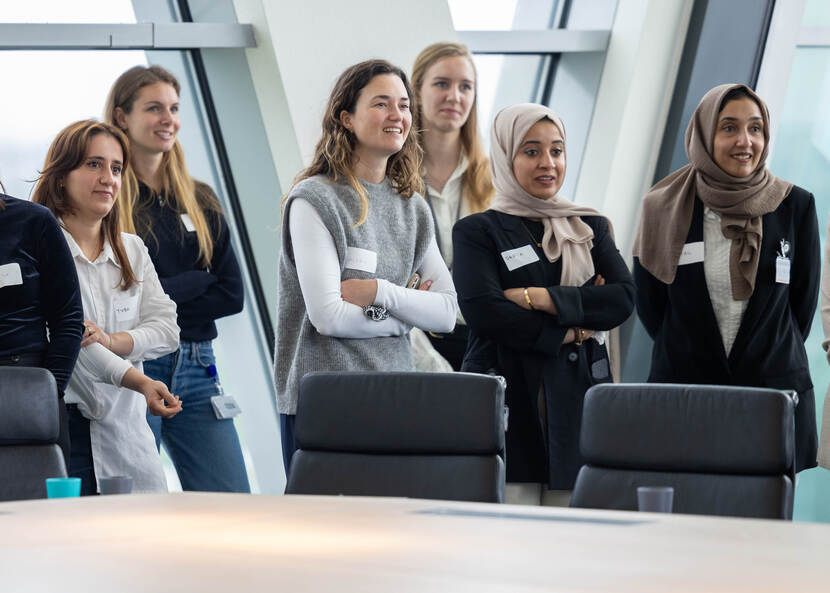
column 35, row 359
column 80, row 464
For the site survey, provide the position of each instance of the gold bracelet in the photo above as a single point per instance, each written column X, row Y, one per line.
column 580, row 336
column 109, row 347
column 529, row 302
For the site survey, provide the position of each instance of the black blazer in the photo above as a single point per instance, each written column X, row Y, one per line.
column 526, row 346
column 769, row 347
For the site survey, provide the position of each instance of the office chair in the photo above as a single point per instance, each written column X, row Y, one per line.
column 725, row 450
column 28, row 432
column 418, row 435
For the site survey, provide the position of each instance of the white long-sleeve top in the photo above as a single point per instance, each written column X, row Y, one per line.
column 122, row 443
column 716, row 248
column 318, row 270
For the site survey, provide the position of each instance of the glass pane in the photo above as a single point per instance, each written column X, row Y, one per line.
column 61, row 11
column 482, row 15
column 801, row 154
column 76, row 88
column 501, row 15
column 29, row 120
column 504, row 80
column 816, row 13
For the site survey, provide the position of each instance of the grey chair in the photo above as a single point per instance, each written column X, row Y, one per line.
column 725, row 450
column 418, row 435
column 28, row 432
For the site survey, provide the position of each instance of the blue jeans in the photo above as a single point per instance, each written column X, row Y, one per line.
column 204, row 449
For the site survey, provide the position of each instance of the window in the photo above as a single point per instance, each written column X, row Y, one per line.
column 55, row 88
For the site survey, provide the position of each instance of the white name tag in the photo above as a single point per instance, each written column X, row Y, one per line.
column 125, row 308
column 10, row 275
column 188, row 223
column 691, row 254
column 361, row 259
column 782, row 270
column 521, row 256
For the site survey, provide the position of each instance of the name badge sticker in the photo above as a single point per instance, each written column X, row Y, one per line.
column 10, row 275
column 364, row 260
column 692, row 253
column 519, row 257
column 188, row 223
column 125, row 308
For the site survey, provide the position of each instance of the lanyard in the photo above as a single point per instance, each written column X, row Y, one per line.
column 435, row 219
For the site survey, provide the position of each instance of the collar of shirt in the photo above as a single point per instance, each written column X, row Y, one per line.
column 459, row 171
column 106, row 253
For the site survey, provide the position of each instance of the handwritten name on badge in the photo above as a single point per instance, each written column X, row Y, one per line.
column 521, row 256
column 125, row 308
column 691, row 254
column 364, row 260
column 10, row 275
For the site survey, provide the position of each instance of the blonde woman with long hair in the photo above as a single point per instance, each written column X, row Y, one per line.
column 355, row 233
column 456, row 170
column 182, row 224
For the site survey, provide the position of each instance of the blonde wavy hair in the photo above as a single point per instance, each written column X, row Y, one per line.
column 187, row 194
column 477, row 182
column 335, row 149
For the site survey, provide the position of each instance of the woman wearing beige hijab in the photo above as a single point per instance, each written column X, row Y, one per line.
column 536, row 277
column 727, row 261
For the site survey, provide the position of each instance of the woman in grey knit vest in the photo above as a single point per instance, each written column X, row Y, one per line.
column 355, row 231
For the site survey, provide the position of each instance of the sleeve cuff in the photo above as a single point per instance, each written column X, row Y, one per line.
column 382, row 294
column 568, row 303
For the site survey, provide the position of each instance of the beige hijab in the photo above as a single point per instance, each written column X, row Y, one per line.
column 740, row 201
column 565, row 234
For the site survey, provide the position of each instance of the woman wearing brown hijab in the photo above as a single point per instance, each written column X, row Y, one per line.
column 726, row 263
column 537, row 276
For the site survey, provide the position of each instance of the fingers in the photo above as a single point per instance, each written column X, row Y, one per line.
column 160, row 402
column 425, row 285
column 91, row 334
column 599, row 281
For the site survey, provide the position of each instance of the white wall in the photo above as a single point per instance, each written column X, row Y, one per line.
column 631, row 110
column 302, row 47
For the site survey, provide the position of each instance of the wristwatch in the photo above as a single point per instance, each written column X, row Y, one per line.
column 375, row 312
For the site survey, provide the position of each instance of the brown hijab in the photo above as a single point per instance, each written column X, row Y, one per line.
column 740, row 201
column 565, row 234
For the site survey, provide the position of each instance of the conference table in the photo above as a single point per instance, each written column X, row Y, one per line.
column 208, row 543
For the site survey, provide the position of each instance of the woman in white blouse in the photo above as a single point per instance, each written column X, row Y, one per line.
column 128, row 318
column 354, row 234
column 456, row 170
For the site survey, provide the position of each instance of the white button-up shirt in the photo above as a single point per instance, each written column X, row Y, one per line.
column 122, row 442
column 448, row 207
column 728, row 312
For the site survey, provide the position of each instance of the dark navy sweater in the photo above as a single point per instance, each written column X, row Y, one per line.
column 202, row 294
column 48, row 295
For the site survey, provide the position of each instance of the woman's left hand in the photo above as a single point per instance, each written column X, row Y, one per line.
column 93, row 333
column 359, row 292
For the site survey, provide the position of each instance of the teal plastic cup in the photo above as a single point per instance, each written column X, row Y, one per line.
column 63, row 487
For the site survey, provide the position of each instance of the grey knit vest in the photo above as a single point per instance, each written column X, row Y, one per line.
column 398, row 229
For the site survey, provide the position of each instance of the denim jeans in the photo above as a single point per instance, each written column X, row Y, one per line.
column 204, row 449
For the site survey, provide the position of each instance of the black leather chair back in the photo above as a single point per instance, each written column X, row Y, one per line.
column 418, row 435
column 28, row 432
column 725, row 450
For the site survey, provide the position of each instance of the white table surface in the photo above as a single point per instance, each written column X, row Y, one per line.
column 231, row 543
